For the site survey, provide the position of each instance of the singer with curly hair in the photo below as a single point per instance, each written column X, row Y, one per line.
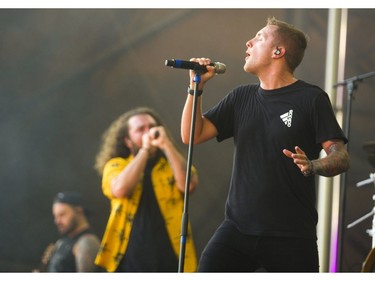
column 143, row 175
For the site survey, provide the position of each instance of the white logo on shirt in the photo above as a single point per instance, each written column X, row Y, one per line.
column 287, row 118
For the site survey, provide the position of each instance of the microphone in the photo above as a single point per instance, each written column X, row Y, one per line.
column 219, row 67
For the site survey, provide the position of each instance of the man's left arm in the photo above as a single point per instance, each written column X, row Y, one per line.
column 335, row 163
column 179, row 167
column 176, row 160
column 85, row 251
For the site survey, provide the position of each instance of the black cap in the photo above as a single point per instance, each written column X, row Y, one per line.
column 69, row 197
column 72, row 198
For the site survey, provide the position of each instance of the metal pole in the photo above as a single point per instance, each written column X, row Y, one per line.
column 338, row 202
column 324, row 183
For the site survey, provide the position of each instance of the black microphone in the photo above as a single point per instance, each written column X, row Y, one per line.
column 219, row 67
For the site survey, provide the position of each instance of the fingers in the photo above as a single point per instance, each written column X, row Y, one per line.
column 156, row 132
column 300, row 156
column 158, row 137
column 201, row 61
column 146, row 141
column 155, row 137
column 205, row 76
column 299, row 150
column 299, row 153
column 288, row 153
column 300, row 159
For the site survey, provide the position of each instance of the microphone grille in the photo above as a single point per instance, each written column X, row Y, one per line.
column 220, row 67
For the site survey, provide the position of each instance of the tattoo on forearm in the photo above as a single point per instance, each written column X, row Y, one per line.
column 333, row 148
column 336, row 162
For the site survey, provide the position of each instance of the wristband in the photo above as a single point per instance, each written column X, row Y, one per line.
column 191, row 92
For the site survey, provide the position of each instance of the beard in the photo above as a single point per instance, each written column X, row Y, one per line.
column 69, row 228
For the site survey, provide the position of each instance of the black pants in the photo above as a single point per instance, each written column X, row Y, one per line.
column 231, row 251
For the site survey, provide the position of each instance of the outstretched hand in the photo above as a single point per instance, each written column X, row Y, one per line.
column 301, row 160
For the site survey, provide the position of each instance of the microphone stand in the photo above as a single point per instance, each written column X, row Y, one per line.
column 185, row 215
column 351, row 85
column 367, row 265
column 371, row 179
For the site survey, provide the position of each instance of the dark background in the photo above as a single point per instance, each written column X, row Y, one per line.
column 66, row 74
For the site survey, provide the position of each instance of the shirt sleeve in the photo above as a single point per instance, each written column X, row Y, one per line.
column 325, row 121
column 111, row 170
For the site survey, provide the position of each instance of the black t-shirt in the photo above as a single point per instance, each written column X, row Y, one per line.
column 268, row 193
column 149, row 248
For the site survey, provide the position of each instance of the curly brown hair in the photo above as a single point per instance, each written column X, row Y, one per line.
column 113, row 138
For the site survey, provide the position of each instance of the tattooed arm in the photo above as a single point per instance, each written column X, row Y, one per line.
column 335, row 163
column 85, row 251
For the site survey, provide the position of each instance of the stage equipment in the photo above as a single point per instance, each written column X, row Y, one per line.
column 368, row 264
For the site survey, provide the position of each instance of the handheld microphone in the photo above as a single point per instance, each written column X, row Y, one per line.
column 219, row 67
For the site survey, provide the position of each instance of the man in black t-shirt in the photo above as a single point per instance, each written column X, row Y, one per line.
column 279, row 126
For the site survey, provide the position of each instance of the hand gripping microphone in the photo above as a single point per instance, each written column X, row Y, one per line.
column 219, row 67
